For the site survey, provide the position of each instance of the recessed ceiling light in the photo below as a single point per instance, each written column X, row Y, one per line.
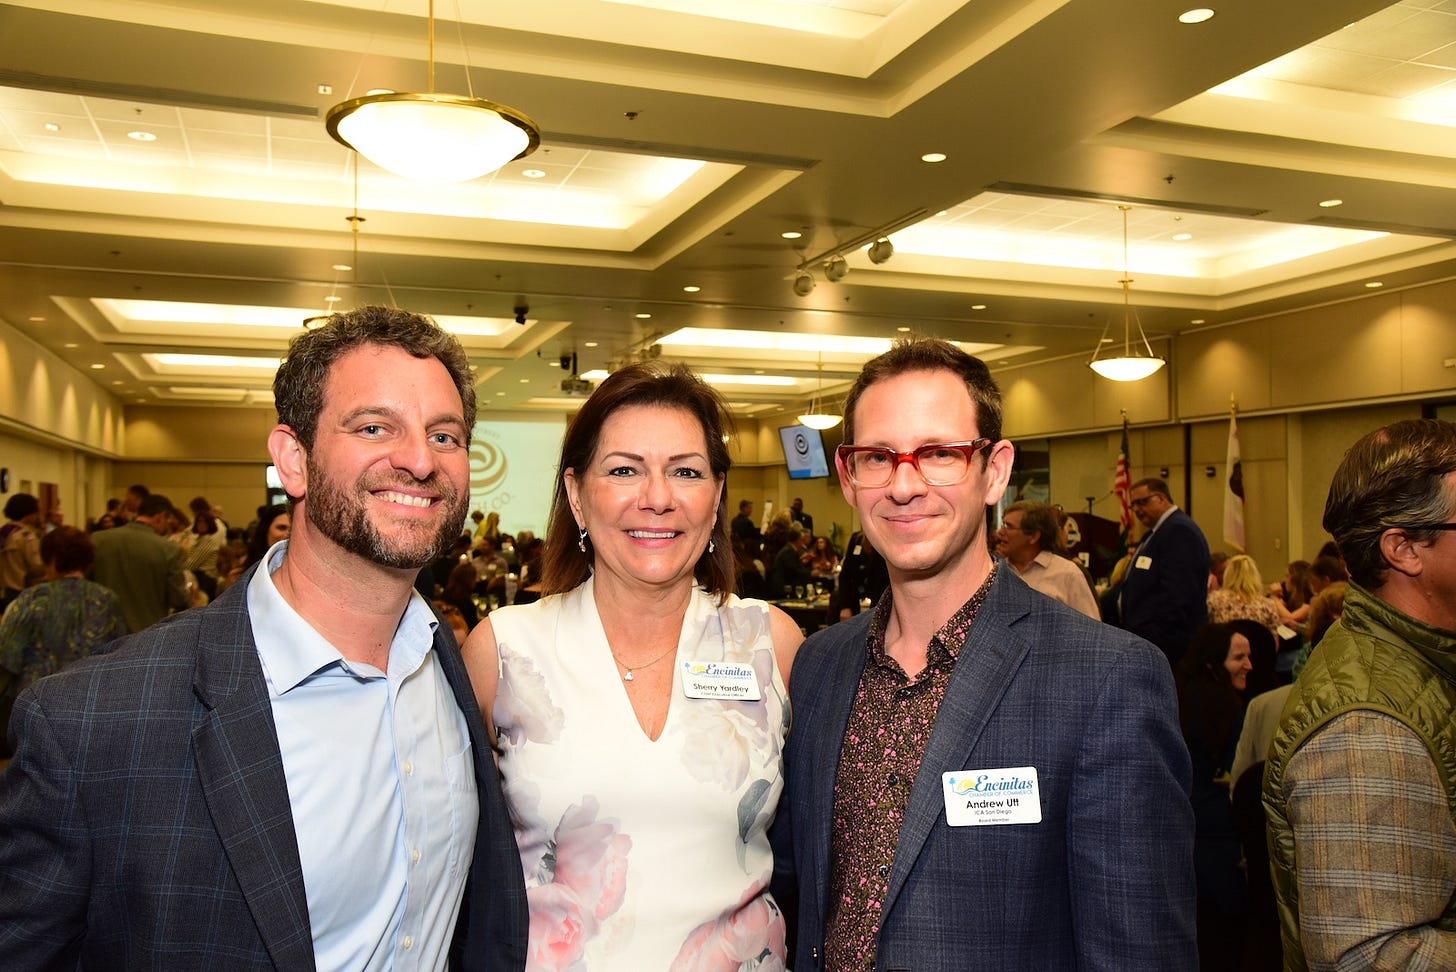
column 116, row 381
column 500, row 394
column 534, row 173
column 325, row 89
column 1373, row 284
column 1180, row 237
column 1331, row 203
column 140, row 136
column 70, row 344
column 643, row 316
column 691, row 289
column 903, row 329
column 98, row 366
column 1195, row 16
column 943, row 212
column 341, row 267
column 978, row 307
column 1196, row 320
column 791, row 235
column 331, row 299
column 525, row 381
column 37, row 319
column 52, row 127
column 590, row 344
column 933, row 157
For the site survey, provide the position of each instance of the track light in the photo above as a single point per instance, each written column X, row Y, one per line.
column 835, row 268
column 803, row 283
column 881, row 250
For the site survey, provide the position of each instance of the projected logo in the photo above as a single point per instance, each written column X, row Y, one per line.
column 801, row 444
column 488, row 471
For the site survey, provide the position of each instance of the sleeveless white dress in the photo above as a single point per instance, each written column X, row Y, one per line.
column 640, row 855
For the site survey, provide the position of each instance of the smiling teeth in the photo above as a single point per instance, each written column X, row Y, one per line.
column 405, row 498
column 652, row 534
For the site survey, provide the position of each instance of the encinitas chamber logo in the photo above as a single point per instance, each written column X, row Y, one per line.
column 488, row 466
column 801, row 444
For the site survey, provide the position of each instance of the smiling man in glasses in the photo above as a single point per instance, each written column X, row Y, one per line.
column 977, row 777
column 1360, row 789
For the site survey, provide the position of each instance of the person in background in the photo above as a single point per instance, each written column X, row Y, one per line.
column 745, row 530
column 790, row 567
column 822, row 559
column 295, row 776
column 1242, row 595
column 1029, row 541
column 1293, row 594
column 57, row 622
column 863, row 577
column 1217, row 564
column 20, row 560
column 640, row 706
column 937, row 816
column 142, row 566
column 1361, row 777
column 208, row 536
column 1211, row 677
column 797, row 514
column 131, row 503
column 1164, row 595
column 460, row 592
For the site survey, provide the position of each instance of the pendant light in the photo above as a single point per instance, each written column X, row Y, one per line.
column 1137, row 361
column 816, row 417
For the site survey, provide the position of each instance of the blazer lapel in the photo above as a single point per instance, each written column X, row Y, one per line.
column 984, row 669
column 241, row 773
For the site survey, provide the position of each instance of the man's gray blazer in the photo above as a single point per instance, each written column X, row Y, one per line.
column 1105, row 881
column 145, row 822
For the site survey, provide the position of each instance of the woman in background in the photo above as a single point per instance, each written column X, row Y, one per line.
column 641, row 794
column 57, row 622
column 1242, row 595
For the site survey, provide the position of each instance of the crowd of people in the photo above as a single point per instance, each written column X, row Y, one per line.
column 606, row 749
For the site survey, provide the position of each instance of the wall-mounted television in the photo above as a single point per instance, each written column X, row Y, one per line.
column 804, row 452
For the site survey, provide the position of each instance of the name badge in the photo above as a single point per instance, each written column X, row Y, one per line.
column 727, row 681
column 983, row 798
column 1143, row 562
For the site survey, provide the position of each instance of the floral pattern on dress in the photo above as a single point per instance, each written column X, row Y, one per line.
column 523, row 708
column 584, row 877
column 748, row 939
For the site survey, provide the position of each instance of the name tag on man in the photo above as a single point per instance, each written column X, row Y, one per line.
column 727, row 681
column 981, row 798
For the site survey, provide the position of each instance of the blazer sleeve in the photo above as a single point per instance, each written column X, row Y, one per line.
column 1130, row 826
column 45, row 855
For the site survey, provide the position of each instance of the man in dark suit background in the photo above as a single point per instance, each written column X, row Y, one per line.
column 1164, row 597
column 296, row 776
column 977, row 777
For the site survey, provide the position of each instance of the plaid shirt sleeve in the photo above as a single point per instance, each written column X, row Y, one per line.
column 1375, row 848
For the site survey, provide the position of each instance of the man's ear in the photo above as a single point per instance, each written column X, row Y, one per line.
column 1401, row 553
column 290, row 459
column 998, row 472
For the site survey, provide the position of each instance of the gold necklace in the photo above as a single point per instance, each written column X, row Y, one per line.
column 628, row 676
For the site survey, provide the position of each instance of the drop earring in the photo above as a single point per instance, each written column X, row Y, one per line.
column 710, row 545
column 581, row 540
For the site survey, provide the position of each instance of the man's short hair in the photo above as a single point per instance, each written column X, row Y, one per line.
column 932, row 354
column 21, row 505
column 1038, row 518
column 67, row 549
column 1392, row 477
column 744, row 504
column 138, row 490
column 1154, row 485
column 154, row 503
column 298, row 387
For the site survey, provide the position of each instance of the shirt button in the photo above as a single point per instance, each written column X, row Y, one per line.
column 415, row 856
column 893, row 779
column 409, row 942
column 884, row 870
column 409, row 768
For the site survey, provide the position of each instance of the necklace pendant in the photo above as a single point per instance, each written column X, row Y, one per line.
column 629, row 677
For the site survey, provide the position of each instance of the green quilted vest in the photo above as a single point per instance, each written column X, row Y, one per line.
column 1378, row 659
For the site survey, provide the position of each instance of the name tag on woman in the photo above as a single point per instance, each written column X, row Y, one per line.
column 727, row 681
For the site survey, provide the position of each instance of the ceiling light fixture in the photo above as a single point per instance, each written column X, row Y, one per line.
column 880, row 250
column 140, row 136
column 1331, row 203
column 1374, row 284
column 690, row 289
column 433, row 137
column 1197, row 15
column 791, row 234
column 803, row 283
column 1128, row 366
column 1180, row 237
column 835, row 268
column 817, row 417
column 933, row 157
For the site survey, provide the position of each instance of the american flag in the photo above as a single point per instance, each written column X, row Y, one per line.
column 1122, row 485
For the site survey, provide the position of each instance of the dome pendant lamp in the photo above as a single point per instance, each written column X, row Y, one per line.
column 1137, row 360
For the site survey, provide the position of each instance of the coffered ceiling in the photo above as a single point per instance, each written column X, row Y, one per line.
column 172, row 208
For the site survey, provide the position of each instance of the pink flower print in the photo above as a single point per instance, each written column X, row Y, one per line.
column 591, row 858
column 523, row 709
column 749, row 939
column 559, row 929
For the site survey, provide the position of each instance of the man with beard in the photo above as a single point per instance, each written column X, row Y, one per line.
column 296, row 776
